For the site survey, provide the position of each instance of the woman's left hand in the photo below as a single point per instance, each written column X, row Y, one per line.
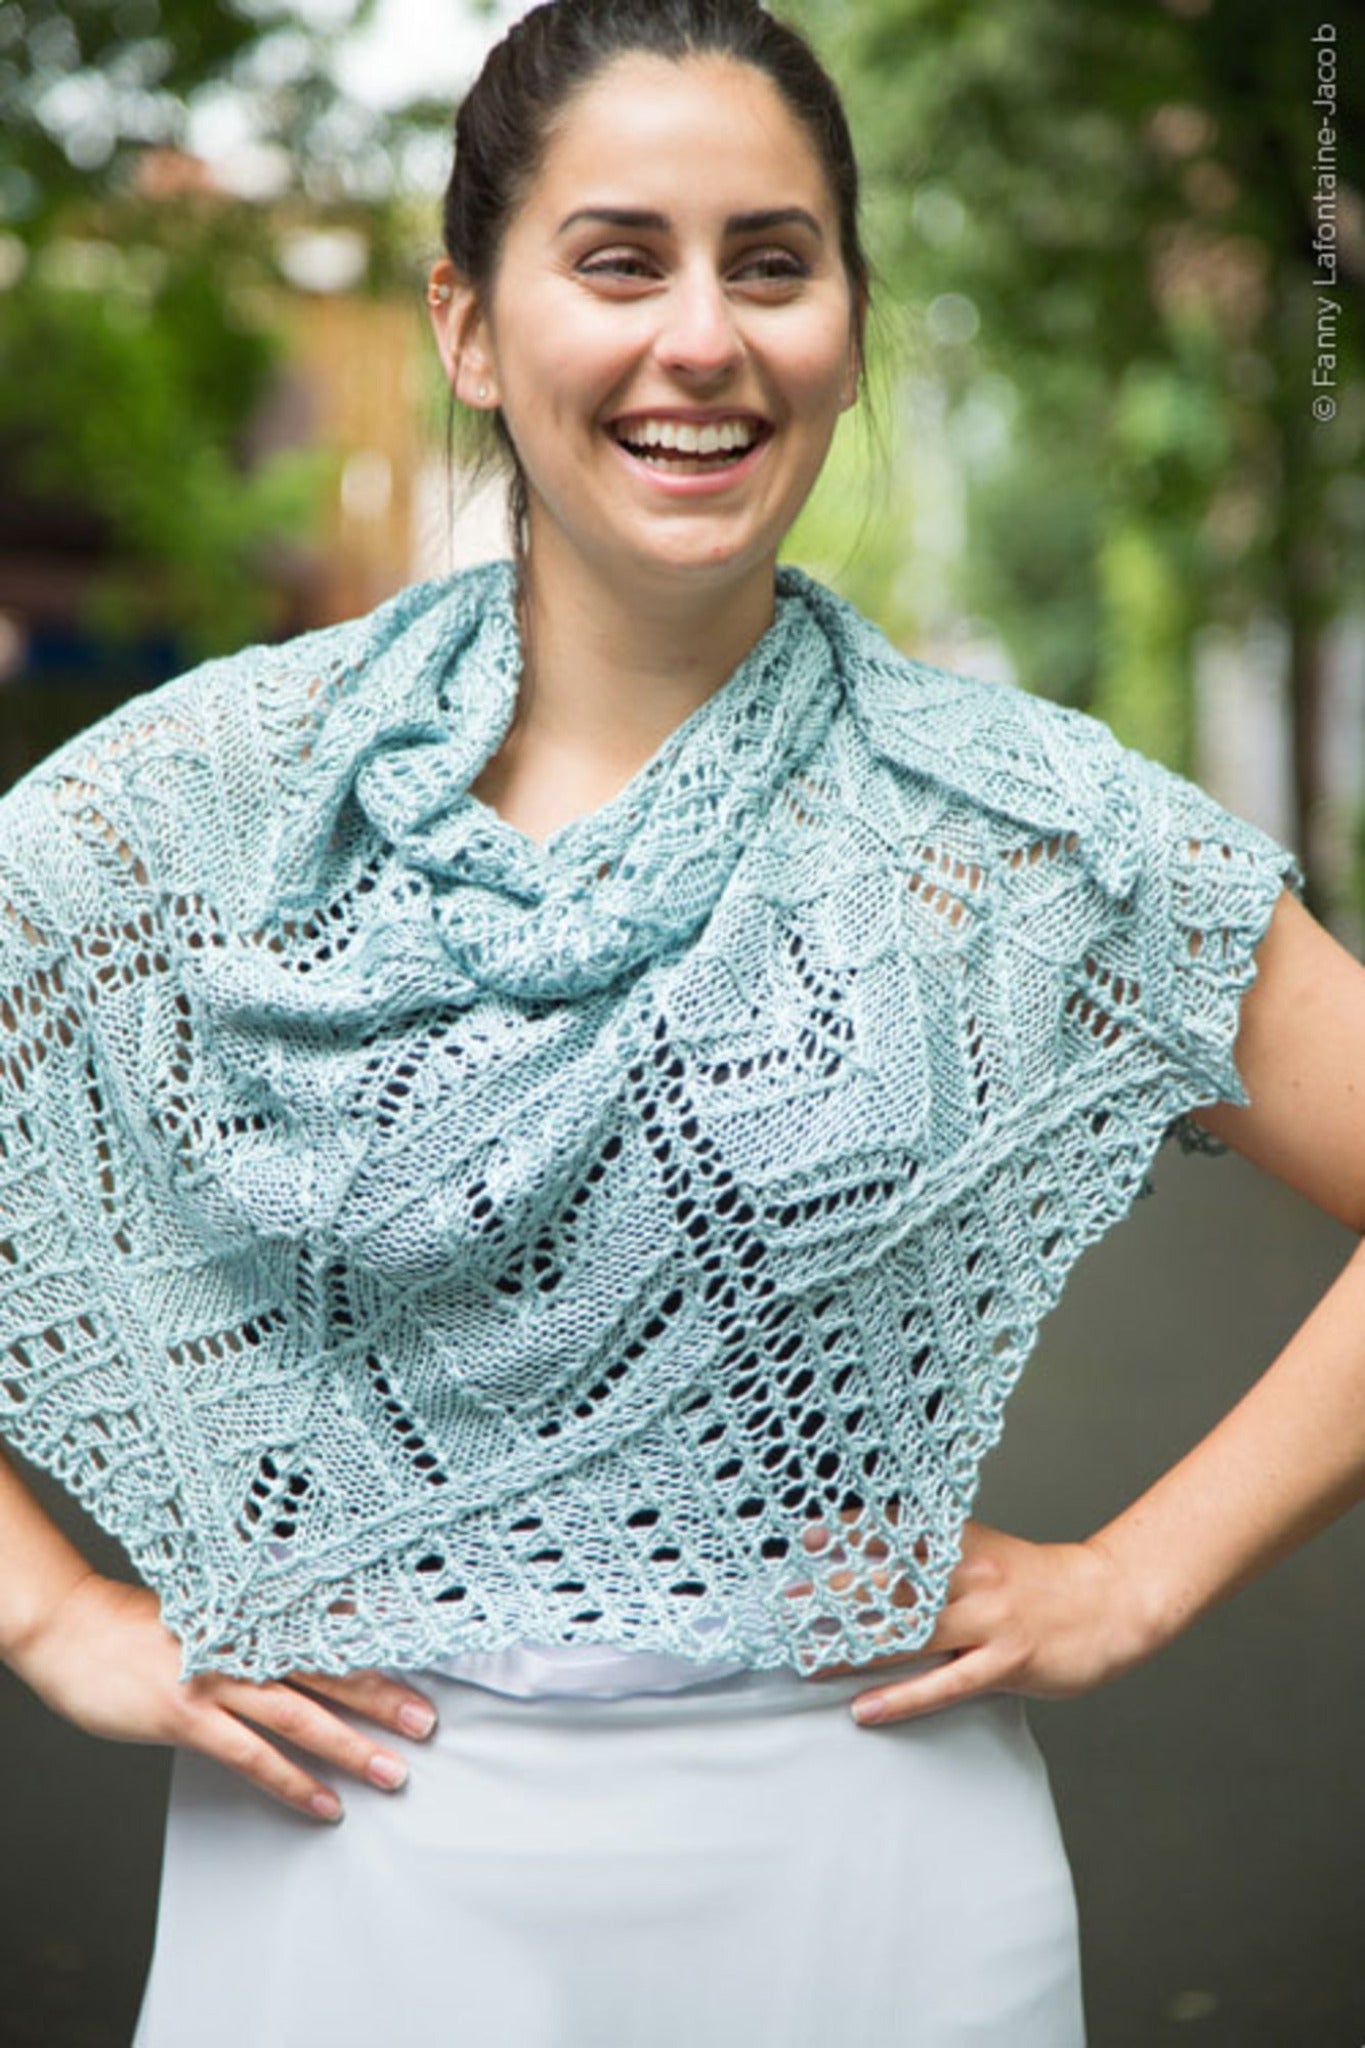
column 1046, row 1619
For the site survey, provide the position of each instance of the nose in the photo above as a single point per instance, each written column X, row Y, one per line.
column 698, row 332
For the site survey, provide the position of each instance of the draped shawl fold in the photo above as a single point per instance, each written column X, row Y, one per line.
column 416, row 1239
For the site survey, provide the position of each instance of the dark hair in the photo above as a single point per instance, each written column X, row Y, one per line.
column 506, row 120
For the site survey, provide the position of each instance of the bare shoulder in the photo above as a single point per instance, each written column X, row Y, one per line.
column 1301, row 1054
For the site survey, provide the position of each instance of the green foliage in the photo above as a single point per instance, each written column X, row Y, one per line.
column 1141, row 690
column 86, row 86
column 136, row 340
column 130, row 395
column 853, row 531
column 1106, row 209
column 83, row 82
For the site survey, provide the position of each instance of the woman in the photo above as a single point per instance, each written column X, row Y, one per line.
column 577, row 1091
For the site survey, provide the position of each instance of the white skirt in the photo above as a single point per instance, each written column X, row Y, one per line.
column 736, row 1864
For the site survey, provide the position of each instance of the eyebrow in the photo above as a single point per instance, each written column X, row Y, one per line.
column 737, row 224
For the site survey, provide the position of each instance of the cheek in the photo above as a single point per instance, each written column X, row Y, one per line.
column 814, row 365
column 576, row 351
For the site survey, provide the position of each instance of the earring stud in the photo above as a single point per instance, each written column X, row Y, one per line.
column 438, row 295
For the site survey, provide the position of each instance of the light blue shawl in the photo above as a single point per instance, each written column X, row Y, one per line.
column 415, row 1239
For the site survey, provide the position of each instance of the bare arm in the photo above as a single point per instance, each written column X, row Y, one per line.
column 1287, row 1460
column 40, row 1565
column 1290, row 1457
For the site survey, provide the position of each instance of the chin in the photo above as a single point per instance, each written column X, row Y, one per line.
column 701, row 556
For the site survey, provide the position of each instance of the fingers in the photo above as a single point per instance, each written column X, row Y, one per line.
column 111, row 1666
column 853, row 1564
column 305, row 1722
column 966, row 1674
column 216, row 1733
column 895, row 1660
column 383, row 1699
column 1016, row 1616
column 959, row 1638
column 215, row 1713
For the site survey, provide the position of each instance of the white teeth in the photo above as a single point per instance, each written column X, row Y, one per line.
column 687, row 439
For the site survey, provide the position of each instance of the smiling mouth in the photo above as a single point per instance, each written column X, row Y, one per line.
column 704, row 451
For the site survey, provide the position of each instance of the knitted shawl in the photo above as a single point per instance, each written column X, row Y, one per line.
column 415, row 1238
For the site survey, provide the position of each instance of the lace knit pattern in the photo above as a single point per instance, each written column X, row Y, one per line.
column 416, row 1240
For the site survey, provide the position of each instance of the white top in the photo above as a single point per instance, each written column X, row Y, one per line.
column 595, row 1670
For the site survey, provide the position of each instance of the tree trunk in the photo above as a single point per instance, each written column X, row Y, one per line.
column 1305, row 583
column 1305, row 685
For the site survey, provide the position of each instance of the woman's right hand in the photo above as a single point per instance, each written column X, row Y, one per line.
column 104, row 1659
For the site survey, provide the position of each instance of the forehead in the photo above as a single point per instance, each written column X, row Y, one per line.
column 653, row 132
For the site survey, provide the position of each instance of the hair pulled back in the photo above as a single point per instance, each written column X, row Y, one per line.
column 553, row 53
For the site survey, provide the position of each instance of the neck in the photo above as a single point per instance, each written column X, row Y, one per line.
column 615, row 665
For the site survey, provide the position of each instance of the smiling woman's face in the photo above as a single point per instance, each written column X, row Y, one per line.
column 599, row 326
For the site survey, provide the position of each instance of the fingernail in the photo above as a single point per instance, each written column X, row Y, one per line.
column 416, row 1720
column 388, row 1771
column 326, row 1805
column 869, row 1710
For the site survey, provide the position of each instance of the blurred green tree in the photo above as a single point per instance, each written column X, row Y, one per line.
column 137, row 336
column 1107, row 214
column 87, row 85
column 131, row 400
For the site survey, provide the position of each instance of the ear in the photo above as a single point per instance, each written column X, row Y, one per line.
column 462, row 336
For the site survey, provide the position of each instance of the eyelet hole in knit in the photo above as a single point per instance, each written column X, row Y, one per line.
column 946, row 884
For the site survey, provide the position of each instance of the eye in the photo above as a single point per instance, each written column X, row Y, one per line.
column 612, row 266
column 774, row 265
column 778, row 264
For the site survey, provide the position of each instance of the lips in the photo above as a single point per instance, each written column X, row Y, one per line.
column 673, row 473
